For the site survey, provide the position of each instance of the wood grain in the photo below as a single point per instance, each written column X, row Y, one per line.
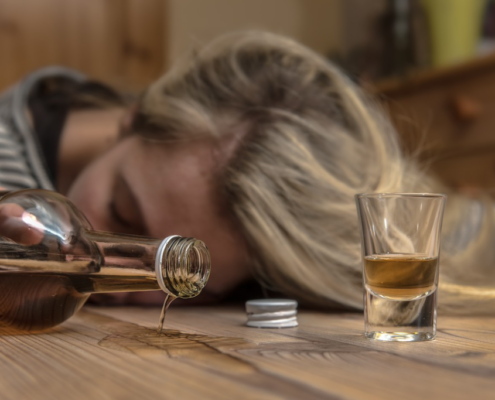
column 120, row 42
column 110, row 353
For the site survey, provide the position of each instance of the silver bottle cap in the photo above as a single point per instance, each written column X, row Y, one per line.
column 271, row 313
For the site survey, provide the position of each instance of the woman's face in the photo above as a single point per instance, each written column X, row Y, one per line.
column 162, row 189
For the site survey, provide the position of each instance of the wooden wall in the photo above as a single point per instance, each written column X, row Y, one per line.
column 315, row 23
column 119, row 41
column 129, row 43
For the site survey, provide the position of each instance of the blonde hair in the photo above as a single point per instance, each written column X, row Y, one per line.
column 306, row 141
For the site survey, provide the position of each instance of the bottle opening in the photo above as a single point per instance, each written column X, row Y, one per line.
column 182, row 266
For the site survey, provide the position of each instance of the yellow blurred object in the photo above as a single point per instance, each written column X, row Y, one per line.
column 455, row 28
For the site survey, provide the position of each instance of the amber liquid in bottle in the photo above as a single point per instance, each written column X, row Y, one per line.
column 37, row 301
column 400, row 276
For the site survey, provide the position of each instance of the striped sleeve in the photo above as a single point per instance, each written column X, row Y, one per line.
column 22, row 164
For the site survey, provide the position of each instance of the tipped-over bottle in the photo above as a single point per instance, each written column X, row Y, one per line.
column 51, row 261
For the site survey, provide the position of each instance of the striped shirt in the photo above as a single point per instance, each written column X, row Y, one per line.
column 22, row 163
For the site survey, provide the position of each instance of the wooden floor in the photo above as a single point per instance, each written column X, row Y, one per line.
column 207, row 353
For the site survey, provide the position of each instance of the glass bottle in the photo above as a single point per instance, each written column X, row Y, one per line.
column 51, row 261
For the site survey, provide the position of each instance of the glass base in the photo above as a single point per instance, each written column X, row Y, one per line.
column 398, row 320
column 400, row 336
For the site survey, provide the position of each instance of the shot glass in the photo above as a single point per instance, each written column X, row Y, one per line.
column 400, row 241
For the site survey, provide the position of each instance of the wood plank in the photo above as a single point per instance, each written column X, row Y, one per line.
column 120, row 42
column 91, row 37
column 207, row 352
column 142, row 47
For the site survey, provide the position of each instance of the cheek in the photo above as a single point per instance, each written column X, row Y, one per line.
column 230, row 260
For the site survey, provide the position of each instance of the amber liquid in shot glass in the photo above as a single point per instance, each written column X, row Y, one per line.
column 400, row 276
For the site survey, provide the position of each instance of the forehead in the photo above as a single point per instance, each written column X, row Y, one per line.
column 174, row 185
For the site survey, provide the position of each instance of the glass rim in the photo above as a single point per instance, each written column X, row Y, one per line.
column 385, row 195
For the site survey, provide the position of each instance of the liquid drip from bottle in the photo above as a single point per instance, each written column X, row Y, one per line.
column 166, row 304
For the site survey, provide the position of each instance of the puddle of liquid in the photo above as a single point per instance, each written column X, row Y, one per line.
column 202, row 350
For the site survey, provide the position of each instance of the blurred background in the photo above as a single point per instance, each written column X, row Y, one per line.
column 431, row 62
column 130, row 42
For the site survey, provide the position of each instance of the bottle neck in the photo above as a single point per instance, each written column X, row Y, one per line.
column 125, row 251
column 180, row 266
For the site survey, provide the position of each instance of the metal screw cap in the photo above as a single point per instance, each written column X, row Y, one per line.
column 271, row 313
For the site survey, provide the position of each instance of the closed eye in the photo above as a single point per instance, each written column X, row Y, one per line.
column 114, row 212
column 124, row 209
